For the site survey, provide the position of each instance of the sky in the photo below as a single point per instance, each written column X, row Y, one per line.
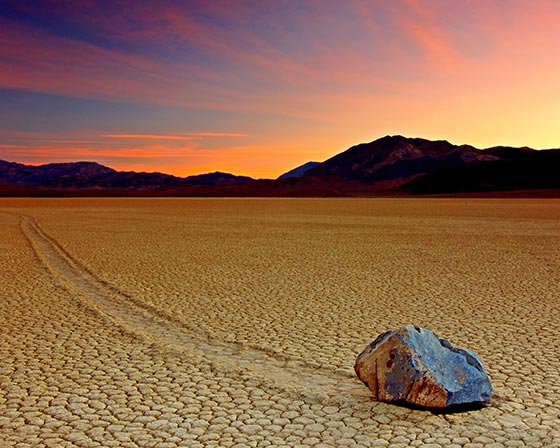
column 258, row 87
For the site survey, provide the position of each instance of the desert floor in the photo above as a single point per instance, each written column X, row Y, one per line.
column 236, row 322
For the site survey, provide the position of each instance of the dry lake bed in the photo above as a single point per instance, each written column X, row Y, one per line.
column 236, row 322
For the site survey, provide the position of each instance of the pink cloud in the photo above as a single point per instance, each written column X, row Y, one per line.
column 358, row 68
column 59, row 65
column 34, row 60
column 438, row 50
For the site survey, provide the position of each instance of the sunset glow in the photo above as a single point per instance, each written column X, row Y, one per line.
column 257, row 88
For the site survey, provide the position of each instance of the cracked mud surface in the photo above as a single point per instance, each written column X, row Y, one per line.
column 213, row 322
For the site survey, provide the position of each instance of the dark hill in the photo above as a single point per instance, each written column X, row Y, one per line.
column 518, row 169
column 394, row 160
column 216, row 178
column 91, row 175
column 51, row 174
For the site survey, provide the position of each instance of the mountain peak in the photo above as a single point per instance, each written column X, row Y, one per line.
column 395, row 159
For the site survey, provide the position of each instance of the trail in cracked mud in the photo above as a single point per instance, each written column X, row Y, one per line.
column 123, row 310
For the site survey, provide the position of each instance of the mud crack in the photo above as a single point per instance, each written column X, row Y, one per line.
column 151, row 324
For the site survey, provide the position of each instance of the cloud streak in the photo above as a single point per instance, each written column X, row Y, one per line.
column 147, row 137
column 185, row 136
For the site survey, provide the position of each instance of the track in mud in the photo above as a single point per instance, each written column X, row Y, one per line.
column 152, row 324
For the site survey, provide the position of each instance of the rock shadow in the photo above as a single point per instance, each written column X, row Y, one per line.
column 452, row 409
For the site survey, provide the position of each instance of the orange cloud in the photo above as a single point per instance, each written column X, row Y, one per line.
column 147, row 136
column 217, row 134
column 186, row 136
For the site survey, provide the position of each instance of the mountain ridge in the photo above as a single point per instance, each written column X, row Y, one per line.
column 387, row 166
column 396, row 157
column 86, row 174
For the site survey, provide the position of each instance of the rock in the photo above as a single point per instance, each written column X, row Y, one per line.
column 411, row 364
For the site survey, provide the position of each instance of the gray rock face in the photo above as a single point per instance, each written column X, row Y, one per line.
column 413, row 365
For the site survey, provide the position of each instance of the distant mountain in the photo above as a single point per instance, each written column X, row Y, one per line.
column 392, row 161
column 299, row 171
column 91, row 175
column 51, row 174
column 216, row 178
column 392, row 165
column 509, row 153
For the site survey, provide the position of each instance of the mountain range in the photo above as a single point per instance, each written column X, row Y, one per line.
column 91, row 175
column 387, row 166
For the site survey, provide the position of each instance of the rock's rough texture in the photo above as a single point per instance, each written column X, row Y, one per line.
column 412, row 364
